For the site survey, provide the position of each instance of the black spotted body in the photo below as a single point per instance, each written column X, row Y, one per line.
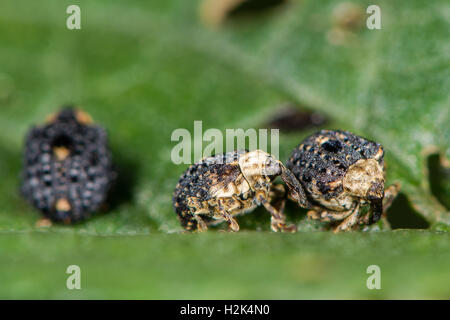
column 220, row 187
column 339, row 172
column 67, row 167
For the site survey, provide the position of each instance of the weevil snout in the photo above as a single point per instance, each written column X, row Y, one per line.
column 296, row 191
column 376, row 190
column 376, row 206
column 376, row 194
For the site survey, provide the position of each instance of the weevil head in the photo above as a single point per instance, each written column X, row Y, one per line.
column 255, row 164
column 365, row 179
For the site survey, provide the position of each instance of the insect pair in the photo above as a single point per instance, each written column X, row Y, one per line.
column 335, row 174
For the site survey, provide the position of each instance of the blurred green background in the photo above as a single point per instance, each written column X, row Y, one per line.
column 145, row 68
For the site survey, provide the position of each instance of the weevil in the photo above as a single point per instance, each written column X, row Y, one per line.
column 220, row 187
column 67, row 170
column 341, row 173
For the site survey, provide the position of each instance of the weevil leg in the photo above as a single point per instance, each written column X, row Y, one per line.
column 314, row 214
column 237, row 202
column 328, row 216
column 277, row 191
column 278, row 219
column 201, row 224
column 390, row 194
column 350, row 221
column 277, row 197
column 189, row 224
column 44, row 223
column 234, row 226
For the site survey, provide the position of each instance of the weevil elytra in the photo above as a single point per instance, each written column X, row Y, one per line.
column 341, row 173
column 218, row 188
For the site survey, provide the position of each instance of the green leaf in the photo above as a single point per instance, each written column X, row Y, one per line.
column 253, row 265
column 143, row 69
